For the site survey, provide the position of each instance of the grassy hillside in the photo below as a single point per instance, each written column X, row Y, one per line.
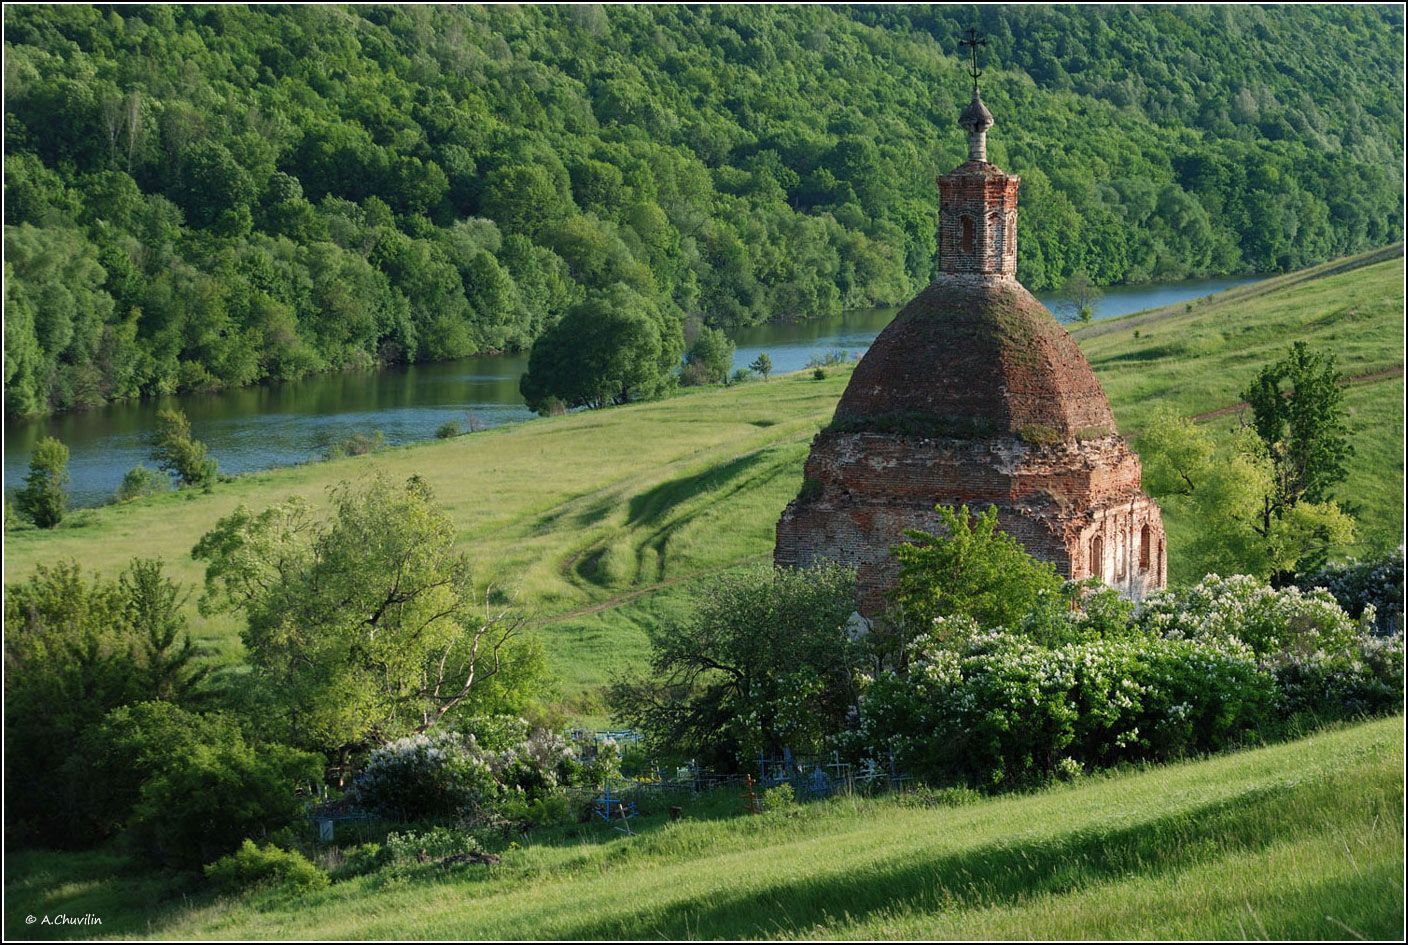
column 596, row 520
column 1297, row 841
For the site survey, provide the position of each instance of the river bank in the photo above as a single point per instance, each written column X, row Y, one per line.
column 267, row 426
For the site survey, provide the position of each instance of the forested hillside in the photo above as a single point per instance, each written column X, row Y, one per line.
column 211, row 196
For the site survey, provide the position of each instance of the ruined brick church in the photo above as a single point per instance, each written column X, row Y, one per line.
column 975, row 394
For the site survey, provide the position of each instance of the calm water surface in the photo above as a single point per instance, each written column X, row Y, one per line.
column 279, row 425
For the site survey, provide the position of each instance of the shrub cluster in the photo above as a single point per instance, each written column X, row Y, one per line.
column 997, row 709
column 496, row 768
column 268, row 867
column 1357, row 585
column 184, row 788
column 1324, row 663
column 1197, row 671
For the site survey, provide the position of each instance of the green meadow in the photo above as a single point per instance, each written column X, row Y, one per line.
column 596, row 522
column 1302, row 840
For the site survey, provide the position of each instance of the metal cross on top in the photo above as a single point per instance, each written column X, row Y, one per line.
column 973, row 42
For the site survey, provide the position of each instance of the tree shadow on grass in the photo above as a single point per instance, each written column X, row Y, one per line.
column 129, row 898
column 653, row 505
column 659, row 506
column 998, row 874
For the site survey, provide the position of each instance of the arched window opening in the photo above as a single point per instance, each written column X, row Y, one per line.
column 996, row 228
column 965, row 238
column 1146, row 541
column 1121, row 553
column 1097, row 557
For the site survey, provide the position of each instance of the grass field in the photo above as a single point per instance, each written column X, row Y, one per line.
column 596, row 521
column 1297, row 841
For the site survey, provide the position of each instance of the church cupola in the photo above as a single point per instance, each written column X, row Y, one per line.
column 976, row 120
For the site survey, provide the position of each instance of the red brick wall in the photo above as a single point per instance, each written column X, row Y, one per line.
column 864, row 490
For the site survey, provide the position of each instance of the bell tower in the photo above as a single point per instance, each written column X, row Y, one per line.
column 977, row 200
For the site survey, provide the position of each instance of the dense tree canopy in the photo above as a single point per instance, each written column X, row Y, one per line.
column 207, row 196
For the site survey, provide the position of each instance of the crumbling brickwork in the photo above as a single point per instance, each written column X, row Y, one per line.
column 975, row 395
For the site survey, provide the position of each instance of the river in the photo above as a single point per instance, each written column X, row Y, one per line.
column 282, row 424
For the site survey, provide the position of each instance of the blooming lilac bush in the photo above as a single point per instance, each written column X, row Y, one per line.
column 426, row 776
column 1241, row 607
column 998, row 709
column 458, row 775
column 1324, row 663
column 1358, row 585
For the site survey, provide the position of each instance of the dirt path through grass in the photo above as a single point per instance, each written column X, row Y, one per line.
column 1370, row 378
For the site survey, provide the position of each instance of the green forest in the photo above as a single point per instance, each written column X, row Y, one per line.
column 203, row 197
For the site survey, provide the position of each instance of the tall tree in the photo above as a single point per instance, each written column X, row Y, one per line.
column 614, row 347
column 973, row 569
column 179, row 453
column 1298, row 412
column 44, row 497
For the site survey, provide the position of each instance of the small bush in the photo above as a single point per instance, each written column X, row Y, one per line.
column 924, row 796
column 253, row 867
column 819, row 374
column 779, row 798
column 448, row 430
column 140, row 482
column 830, row 359
column 360, row 860
column 355, row 444
column 415, row 847
column 542, row 811
column 695, row 374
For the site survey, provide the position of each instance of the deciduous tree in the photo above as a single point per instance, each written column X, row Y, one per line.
column 44, row 497
column 366, row 626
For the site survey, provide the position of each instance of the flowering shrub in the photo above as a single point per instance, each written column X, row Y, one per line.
column 1322, row 661
column 1000, row 710
column 426, row 776
column 535, row 766
column 1241, row 607
column 1366, row 680
column 1357, row 585
column 453, row 774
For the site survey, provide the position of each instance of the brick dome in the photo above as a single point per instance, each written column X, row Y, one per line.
column 976, row 358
